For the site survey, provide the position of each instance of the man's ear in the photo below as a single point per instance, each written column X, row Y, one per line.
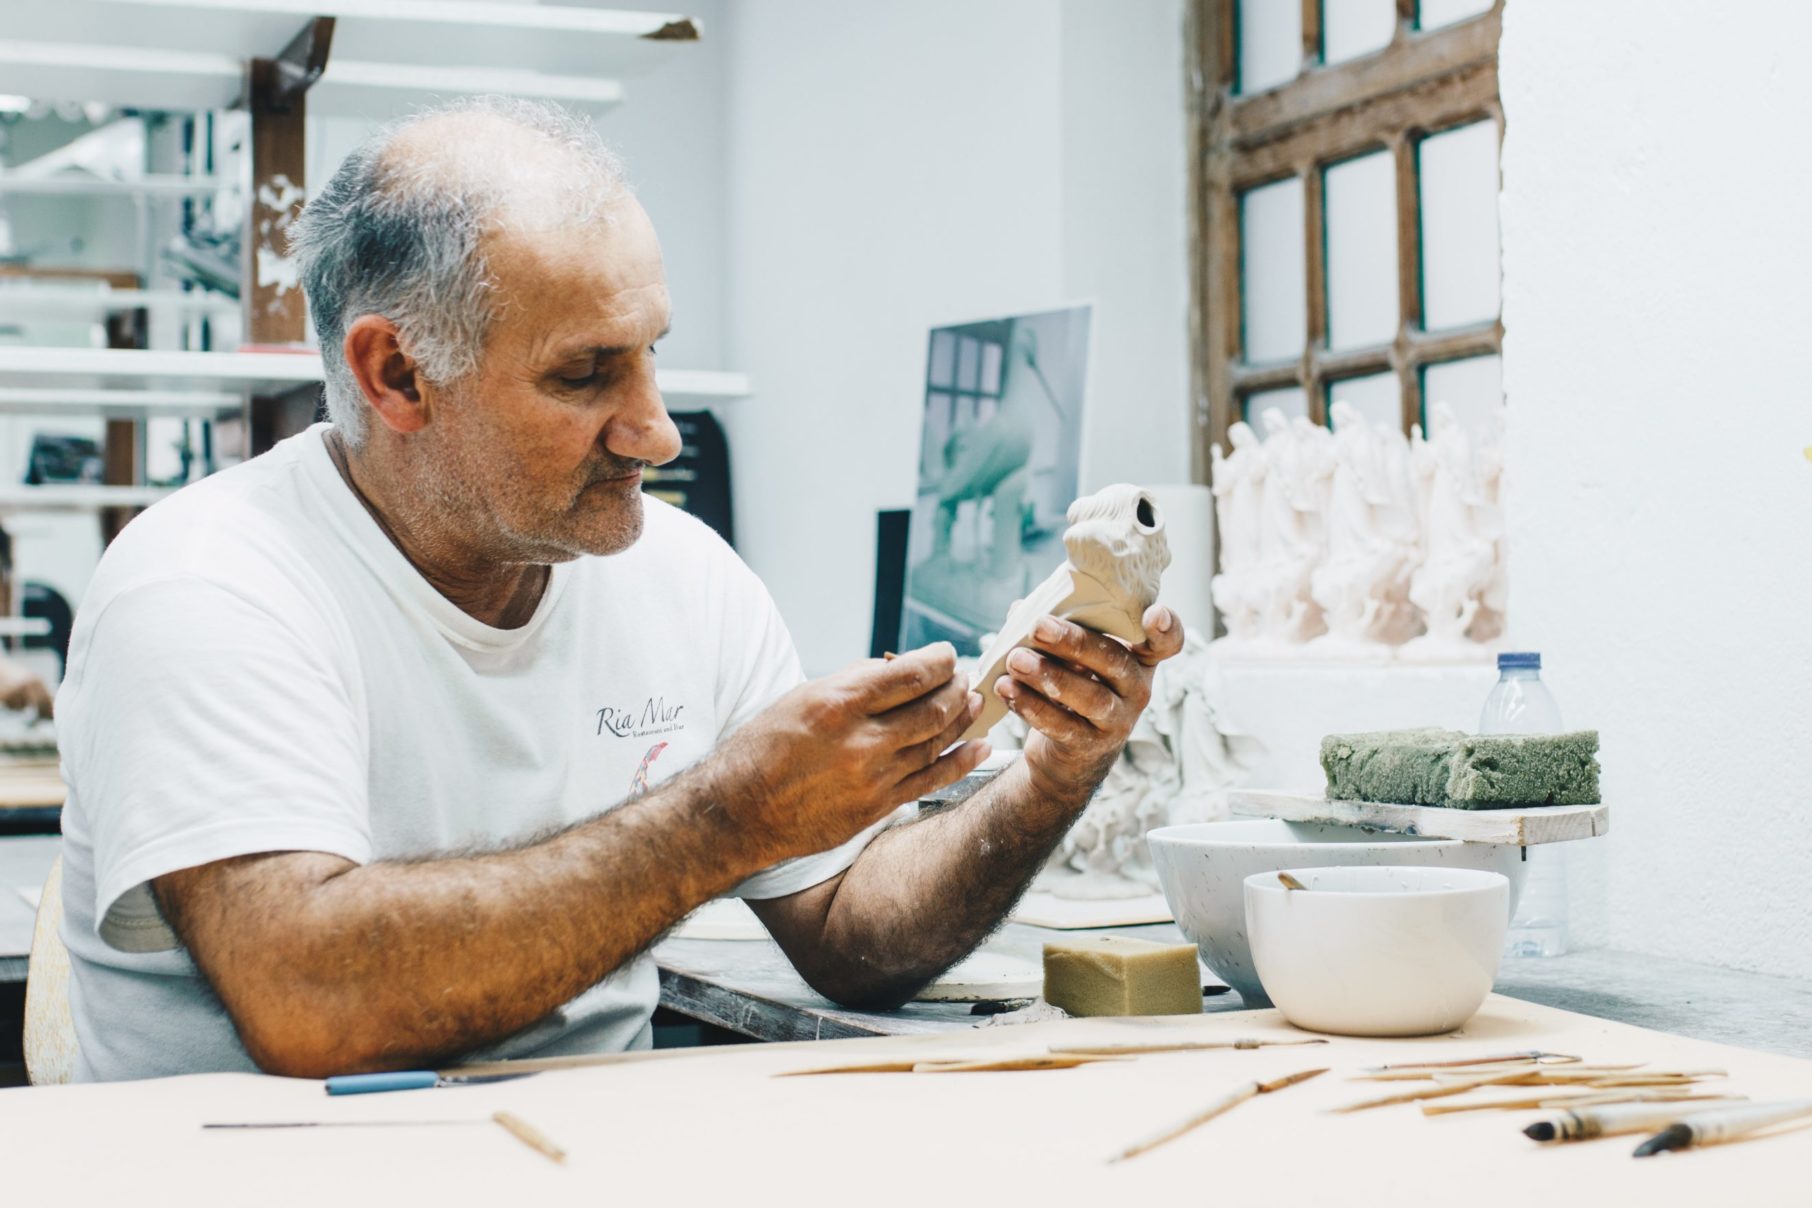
column 386, row 374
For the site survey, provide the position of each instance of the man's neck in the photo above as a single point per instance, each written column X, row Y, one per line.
column 499, row 593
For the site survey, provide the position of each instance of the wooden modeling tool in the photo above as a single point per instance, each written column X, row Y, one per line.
column 1221, row 1106
column 1528, row 1056
column 1290, row 882
column 1032, row 1061
column 1722, row 1125
column 530, row 1136
column 1187, row 1046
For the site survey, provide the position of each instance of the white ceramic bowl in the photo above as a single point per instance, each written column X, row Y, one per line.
column 1379, row 951
column 1203, row 868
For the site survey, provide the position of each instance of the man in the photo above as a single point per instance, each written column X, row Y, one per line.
column 404, row 741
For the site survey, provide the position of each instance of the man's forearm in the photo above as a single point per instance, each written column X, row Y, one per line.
column 923, row 896
column 394, row 963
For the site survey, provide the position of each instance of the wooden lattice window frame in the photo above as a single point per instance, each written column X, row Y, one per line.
column 1422, row 83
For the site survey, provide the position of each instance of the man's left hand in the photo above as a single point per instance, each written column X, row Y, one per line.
column 1081, row 692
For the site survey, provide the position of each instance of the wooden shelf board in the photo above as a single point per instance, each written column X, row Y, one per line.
column 245, row 372
column 75, row 497
column 258, row 372
column 183, row 80
column 117, row 404
column 119, row 75
column 33, row 301
column 1518, row 828
column 559, row 39
column 93, row 186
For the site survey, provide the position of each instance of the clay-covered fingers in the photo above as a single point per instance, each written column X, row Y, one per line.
column 1108, row 659
column 1034, row 672
column 933, row 721
column 882, row 686
column 1163, row 636
column 944, row 771
column 1052, row 720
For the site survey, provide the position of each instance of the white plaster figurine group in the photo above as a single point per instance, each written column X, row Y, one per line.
column 1357, row 543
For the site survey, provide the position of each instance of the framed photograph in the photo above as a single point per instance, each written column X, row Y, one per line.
column 999, row 457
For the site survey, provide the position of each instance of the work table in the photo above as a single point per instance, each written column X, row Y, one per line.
column 747, row 987
column 716, row 1125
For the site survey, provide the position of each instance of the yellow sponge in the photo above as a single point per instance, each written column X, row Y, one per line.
column 1114, row 975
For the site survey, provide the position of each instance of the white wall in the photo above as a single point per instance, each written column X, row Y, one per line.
column 670, row 131
column 1656, row 268
column 896, row 166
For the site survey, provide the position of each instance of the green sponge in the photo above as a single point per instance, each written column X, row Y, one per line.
column 1462, row 771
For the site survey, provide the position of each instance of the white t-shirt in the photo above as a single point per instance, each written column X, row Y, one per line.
column 257, row 668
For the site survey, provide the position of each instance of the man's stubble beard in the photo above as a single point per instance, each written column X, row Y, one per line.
column 459, row 492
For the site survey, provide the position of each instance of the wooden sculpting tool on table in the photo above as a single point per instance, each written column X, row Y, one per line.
column 1057, row 1057
column 1221, row 1106
column 1185, row 1046
column 1461, row 1080
column 1527, row 1057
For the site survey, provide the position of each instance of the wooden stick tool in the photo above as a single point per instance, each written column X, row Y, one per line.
column 1221, row 1106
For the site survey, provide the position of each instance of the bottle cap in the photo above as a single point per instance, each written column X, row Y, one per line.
column 1521, row 660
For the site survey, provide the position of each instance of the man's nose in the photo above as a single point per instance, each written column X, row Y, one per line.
column 641, row 428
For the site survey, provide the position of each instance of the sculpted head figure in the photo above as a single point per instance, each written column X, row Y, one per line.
column 488, row 293
column 1345, row 415
column 1241, row 436
column 1116, row 536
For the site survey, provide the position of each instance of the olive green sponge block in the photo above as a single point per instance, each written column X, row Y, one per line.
column 1462, row 771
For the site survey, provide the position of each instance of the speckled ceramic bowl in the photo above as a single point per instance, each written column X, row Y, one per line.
column 1203, row 868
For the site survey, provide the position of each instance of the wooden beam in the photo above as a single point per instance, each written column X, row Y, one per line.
column 1315, row 341
column 1409, row 276
column 1448, row 100
column 275, row 310
column 1414, row 59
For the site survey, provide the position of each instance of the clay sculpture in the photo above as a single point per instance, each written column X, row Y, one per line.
column 1117, row 556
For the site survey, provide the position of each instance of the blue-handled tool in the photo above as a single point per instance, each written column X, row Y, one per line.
column 408, row 1080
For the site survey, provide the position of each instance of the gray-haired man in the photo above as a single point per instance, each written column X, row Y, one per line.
column 405, row 740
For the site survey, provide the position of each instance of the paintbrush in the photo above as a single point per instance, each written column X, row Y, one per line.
column 1583, row 1124
column 1224, row 1104
column 1721, row 1125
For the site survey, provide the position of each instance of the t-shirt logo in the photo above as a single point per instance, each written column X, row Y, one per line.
column 655, row 716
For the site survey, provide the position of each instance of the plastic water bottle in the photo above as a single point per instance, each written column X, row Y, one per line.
column 1521, row 704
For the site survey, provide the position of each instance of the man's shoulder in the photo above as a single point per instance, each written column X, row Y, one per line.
column 239, row 528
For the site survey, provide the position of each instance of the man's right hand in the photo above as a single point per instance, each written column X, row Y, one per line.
column 837, row 755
